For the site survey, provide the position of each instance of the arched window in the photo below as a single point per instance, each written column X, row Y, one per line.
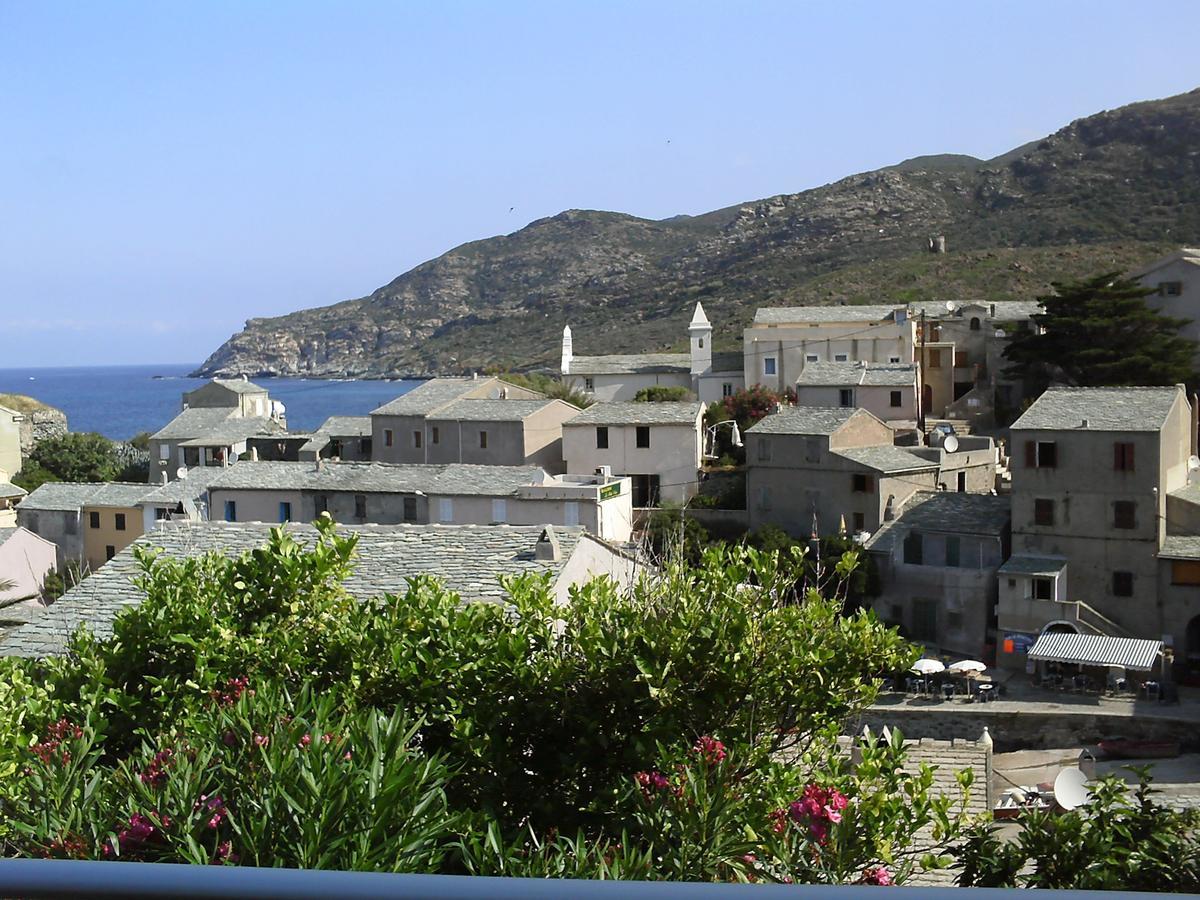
column 974, row 323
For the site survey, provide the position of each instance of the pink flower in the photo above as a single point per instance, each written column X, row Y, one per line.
column 710, row 750
column 224, row 854
column 876, row 875
column 155, row 774
column 305, row 740
column 261, row 740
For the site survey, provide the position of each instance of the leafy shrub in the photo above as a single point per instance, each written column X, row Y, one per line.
column 663, row 394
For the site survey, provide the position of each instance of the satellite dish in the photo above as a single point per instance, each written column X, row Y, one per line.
column 950, row 444
column 1071, row 789
column 1193, row 463
column 949, row 306
column 181, row 472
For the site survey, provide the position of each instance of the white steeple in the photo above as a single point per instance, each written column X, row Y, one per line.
column 567, row 352
column 700, row 332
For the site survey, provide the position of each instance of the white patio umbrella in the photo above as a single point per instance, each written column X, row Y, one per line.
column 966, row 666
column 927, row 666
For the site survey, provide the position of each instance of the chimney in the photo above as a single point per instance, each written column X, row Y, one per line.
column 320, row 464
column 253, row 454
column 164, row 477
column 1084, row 424
column 547, row 548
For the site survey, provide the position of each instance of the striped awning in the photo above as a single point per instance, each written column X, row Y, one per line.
column 1096, row 650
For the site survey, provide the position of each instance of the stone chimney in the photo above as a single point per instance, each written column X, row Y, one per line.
column 568, row 351
column 547, row 548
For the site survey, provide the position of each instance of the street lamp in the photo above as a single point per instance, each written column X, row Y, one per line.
column 711, row 437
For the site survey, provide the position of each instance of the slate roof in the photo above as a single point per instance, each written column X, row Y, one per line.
column 467, row 558
column 631, row 364
column 238, row 386
column 638, row 413
column 887, row 459
column 1032, row 565
column 728, row 362
column 945, row 512
column 236, row 429
column 787, row 315
column 1180, row 546
column 346, row 426
column 1104, row 408
column 6, row 533
column 192, row 422
column 65, row 496
column 491, row 410
column 448, row 479
column 804, row 420
column 8, row 490
column 117, row 493
column 839, row 374
column 1006, row 310
column 427, row 397
column 1188, row 494
column 190, row 488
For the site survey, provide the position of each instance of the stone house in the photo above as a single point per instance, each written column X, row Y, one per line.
column 25, row 560
column 888, row 391
column 89, row 523
column 1095, row 474
column 419, row 493
column 937, row 563
column 618, row 377
column 1175, row 281
column 836, row 470
column 658, row 446
column 468, row 560
column 346, row 438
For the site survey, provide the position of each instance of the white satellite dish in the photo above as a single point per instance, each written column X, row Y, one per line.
column 949, row 306
column 950, row 444
column 1193, row 463
column 1071, row 789
column 181, row 472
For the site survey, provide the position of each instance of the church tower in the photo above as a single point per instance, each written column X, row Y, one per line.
column 568, row 352
column 700, row 332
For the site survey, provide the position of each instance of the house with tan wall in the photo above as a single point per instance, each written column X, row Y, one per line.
column 888, row 391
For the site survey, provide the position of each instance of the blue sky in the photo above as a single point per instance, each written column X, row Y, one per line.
column 170, row 169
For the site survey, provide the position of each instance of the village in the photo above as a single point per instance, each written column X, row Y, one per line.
column 1051, row 568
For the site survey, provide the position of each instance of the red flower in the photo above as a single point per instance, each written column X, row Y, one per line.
column 710, row 750
column 876, row 875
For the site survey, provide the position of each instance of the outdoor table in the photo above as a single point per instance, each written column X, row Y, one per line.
column 986, row 691
column 1151, row 689
column 948, row 691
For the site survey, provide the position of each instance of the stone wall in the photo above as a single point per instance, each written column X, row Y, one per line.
column 39, row 425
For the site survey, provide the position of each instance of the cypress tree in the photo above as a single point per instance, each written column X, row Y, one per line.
column 1100, row 332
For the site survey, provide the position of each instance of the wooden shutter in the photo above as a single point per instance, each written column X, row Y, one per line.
column 1030, row 455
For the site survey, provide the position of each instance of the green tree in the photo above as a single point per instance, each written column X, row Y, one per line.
column 77, row 456
column 1100, row 332
column 662, row 394
column 747, row 406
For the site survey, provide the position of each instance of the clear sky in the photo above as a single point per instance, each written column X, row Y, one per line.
column 168, row 170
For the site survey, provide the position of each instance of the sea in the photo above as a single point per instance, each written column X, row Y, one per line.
column 121, row 401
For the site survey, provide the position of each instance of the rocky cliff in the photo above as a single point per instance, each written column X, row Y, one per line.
column 1106, row 192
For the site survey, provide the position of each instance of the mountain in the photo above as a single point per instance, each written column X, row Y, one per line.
column 1106, row 192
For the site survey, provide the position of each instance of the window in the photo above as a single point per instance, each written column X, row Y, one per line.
column 924, row 625
column 1041, row 455
column 1123, row 456
column 1122, row 584
column 601, row 437
column 410, row 509
column 1170, row 288
column 974, row 323
column 643, row 437
column 863, row 484
column 769, row 365
column 1185, row 571
column 962, row 482
column 417, row 439
column 846, row 397
column 935, row 359
column 726, row 389
column 645, row 490
column 914, row 549
column 589, row 384
column 1124, row 514
column 810, row 357
column 954, row 620
column 164, row 452
column 953, row 552
column 701, row 343
column 483, row 440
column 895, row 399
column 960, row 359
column 1043, row 512
column 893, row 359
column 161, row 513
column 93, row 520
column 812, row 450
column 764, row 449
column 860, row 522
column 285, row 512
column 499, row 510
column 1043, row 589
column 109, row 551
column 840, row 357
column 435, row 435
column 120, row 519
column 387, row 437
column 320, row 504
column 446, row 510
column 571, row 512
column 764, row 498
column 360, row 506
column 230, row 510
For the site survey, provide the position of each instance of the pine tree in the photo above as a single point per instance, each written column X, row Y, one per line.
column 1100, row 332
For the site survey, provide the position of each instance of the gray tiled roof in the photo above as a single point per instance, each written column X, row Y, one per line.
column 238, row 385
column 637, row 413
column 236, row 429
column 190, row 488
column 787, row 315
column 1006, row 310
column 887, row 459
column 458, row 479
column 858, row 373
column 1181, row 546
column 427, row 397
column 9, row 491
column 6, row 533
column 346, row 426
column 631, row 364
column 1032, row 565
column 117, row 493
column 804, row 420
column 492, row 410
column 729, row 362
column 1104, row 408
column 192, row 422
column 467, row 558
column 946, row 512
column 1188, row 494
column 61, row 495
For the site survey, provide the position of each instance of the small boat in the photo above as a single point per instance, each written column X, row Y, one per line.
column 1128, row 748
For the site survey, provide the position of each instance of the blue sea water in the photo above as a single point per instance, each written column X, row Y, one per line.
column 120, row 401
